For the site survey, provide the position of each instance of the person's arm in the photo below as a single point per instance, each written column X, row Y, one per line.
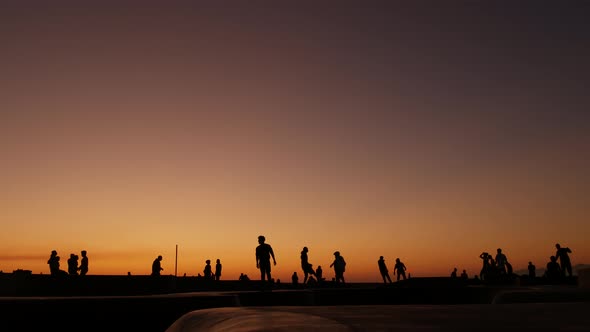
column 257, row 265
column 272, row 254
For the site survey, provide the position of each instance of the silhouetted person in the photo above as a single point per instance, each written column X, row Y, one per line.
column 305, row 266
column 509, row 268
column 454, row 273
column 263, row 254
column 383, row 270
column 501, row 261
column 53, row 262
column 532, row 270
column 157, row 266
column 318, row 273
column 294, row 279
column 73, row 265
column 564, row 259
column 400, row 268
column 218, row 270
column 83, row 263
column 553, row 272
column 339, row 267
column 485, row 267
column 464, row 275
column 208, row 272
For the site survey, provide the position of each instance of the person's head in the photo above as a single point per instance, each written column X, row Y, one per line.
column 397, row 260
column 208, row 261
column 218, row 261
column 160, row 257
column 530, row 263
column 83, row 253
column 72, row 255
column 557, row 246
column 499, row 250
column 553, row 258
column 337, row 253
column 261, row 239
column 305, row 249
column 53, row 252
column 381, row 257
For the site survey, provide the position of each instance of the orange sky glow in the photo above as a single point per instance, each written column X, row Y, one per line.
column 376, row 131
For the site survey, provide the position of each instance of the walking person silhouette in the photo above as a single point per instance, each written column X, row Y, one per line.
column 383, row 270
column 305, row 266
column 263, row 254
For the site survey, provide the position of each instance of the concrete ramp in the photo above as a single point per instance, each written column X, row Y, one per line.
column 253, row 319
column 419, row 318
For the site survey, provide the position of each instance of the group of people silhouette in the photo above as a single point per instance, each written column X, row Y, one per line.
column 555, row 271
column 73, row 267
column 399, row 268
column 499, row 267
column 493, row 267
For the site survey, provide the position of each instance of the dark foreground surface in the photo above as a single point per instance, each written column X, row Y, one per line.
column 474, row 317
column 363, row 307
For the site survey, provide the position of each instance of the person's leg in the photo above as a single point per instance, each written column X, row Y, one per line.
column 569, row 268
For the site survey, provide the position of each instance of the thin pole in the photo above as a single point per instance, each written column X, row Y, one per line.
column 176, row 261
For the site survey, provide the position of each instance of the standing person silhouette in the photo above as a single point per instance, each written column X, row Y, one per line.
column 400, row 268
column 207, row 272
column 83, row 263
column 532, row 270
column 383, row 270
column 73, row 265
column 263, row 254
column 53, row 263
column 339, row 267
column 501, row 261
column 564, row 259
column 157, row 266
column 485, row 269
column 305, row 266
column 217, row 269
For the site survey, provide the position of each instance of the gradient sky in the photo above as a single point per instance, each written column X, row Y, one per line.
column 425, row 132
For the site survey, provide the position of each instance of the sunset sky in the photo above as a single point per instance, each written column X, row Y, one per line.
column 426, row 132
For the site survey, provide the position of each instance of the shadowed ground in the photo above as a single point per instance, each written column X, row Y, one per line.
column 356, row 307
column 481, row 317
